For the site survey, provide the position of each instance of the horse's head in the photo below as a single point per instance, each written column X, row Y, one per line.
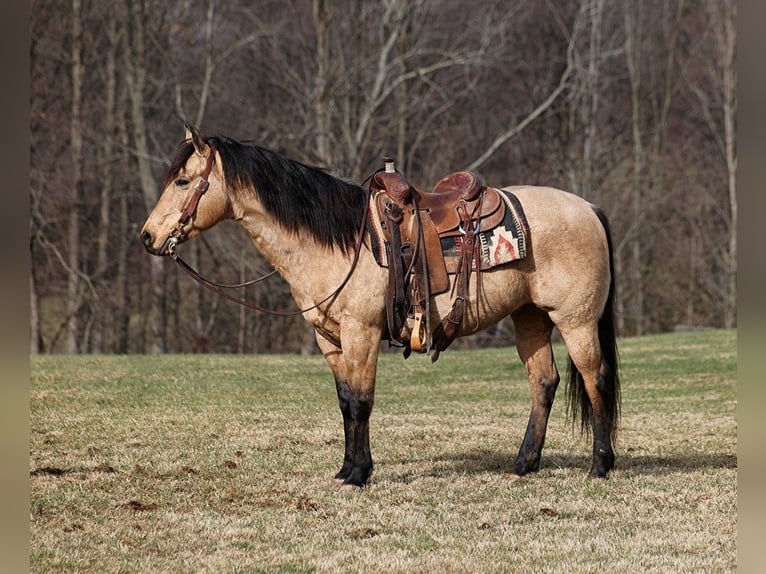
column 193, row 199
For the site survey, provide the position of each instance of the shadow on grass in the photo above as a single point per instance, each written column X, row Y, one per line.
column 479, row 461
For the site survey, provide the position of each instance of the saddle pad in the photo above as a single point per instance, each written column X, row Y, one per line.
column 502, row 244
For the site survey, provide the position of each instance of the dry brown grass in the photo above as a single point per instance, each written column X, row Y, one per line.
column 224, row 464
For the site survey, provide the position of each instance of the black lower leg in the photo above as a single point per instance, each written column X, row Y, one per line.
column 603, row 455
column 528, row 459
column 357, row 459
column 345, row 410
column 603, row 430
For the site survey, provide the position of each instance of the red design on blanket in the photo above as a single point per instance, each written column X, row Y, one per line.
column 504, row 251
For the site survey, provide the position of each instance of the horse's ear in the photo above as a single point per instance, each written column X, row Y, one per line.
column 199, row 144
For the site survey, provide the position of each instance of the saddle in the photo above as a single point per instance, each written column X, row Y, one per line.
column 414, row 225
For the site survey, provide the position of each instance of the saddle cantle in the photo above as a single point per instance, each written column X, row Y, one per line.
column 460, row 185
column 442, row 203
column 422, row 237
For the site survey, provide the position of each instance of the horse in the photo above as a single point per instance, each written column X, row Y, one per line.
column 306, row 222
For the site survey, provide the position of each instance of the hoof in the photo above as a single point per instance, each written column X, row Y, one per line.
column 349, row 488
column 597, row 475
column 511, row 476
column 347, row 485
column 601, row 466
column 523, row 465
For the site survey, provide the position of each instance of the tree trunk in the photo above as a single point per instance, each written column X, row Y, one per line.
column 729, row 44
column 75, row 134
column 632, row 55
column 106, row 251
column 121, row 281
column 590, row 104
column 123, row 248
column 321, row 78
column 136, row 81
column 34, row 316
column 242, row 331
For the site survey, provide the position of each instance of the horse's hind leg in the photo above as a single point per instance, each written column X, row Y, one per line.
column 533, row 342
column 594, row 392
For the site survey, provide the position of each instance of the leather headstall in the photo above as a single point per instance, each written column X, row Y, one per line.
column 203, row 183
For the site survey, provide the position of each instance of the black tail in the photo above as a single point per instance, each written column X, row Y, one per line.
column 578, row 402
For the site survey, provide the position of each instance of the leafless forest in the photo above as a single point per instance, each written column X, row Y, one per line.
column 630, row 104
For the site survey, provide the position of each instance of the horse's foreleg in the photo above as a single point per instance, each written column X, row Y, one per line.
column 357, row 459
column 533, row 342
column 354, row 370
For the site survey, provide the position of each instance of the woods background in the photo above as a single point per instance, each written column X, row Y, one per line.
column 630, row 104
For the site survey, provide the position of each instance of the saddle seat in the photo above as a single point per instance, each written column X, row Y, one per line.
column 462, row 186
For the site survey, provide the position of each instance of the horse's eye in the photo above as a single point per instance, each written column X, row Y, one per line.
column 182, row 182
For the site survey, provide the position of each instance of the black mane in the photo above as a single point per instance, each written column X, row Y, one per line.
column 300, row 197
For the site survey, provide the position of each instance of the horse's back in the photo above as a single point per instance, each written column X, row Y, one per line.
column 569, row 254
column 561, row 218
column 541, row 201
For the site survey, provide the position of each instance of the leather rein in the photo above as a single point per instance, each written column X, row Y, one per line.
column 219, row 288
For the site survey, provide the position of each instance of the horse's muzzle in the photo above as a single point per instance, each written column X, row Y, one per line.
column 167, row 248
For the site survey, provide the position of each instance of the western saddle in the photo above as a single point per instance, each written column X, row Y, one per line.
column 414, row 224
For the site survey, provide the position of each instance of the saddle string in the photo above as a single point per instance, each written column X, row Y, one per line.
column 475, row 256
column 420, row 246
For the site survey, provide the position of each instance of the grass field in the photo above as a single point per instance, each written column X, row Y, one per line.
column 212, row 463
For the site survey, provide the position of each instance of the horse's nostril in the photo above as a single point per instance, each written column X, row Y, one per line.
column 146, row 238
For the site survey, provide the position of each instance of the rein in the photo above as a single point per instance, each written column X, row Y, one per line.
column 218, row 288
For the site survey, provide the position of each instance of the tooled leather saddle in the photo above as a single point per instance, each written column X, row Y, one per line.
column 426, row 236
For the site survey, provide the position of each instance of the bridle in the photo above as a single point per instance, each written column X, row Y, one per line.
column 203, row 183
column 219, row 288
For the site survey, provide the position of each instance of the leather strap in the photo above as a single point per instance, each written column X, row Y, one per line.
column 397, row 303
column 203, row 183
column 447, row 330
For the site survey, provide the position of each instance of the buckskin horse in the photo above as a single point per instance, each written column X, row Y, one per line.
column 310, row 226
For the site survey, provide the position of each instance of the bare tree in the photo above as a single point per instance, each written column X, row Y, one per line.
column 136, row 16
column 514, row 130
column 76, row 136
column 719, row 110
column 633, row 58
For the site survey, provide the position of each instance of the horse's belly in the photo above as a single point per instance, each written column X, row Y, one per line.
column 503, row 290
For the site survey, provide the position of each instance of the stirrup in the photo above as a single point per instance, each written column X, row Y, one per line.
column 419, row 335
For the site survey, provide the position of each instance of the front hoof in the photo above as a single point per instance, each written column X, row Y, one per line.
column 523, row 467
column 597, row 474
column 356, row 478
column 512, row 476
column 350, row 487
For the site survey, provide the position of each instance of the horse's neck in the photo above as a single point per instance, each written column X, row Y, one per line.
column 307, row 267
